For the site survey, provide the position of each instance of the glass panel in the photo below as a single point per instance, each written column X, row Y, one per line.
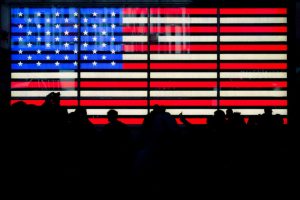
column 183, row 61
column 42, row 54
column 253, row 60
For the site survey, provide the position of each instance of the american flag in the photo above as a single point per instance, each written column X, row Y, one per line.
column 107, row 58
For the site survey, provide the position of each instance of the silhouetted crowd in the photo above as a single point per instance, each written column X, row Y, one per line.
column 46, row 142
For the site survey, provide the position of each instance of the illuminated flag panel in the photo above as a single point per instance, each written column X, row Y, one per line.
column 111, row 58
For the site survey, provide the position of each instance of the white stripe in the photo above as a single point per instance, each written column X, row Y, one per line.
column 71, row 110
column 40, row 75
column 253, row 20
column 253, row 57
column 183, row 93
column 251, row 38
column 183, row 56
column 121, row 93
column 184, row 75
column 103, row 112
column 115, row 75
column 253, row 75
column 258, row 111
column 42, row 93
column 253, row 93
column 135, row 56
column 135, row 20
column 132, row 38
column 183, row 20
column 187, row 38
column 197, row 112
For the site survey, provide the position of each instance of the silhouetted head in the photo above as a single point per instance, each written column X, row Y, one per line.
column 112, row 115
column 158, row 109
column 81, row 112
column 268, row 111
column 229, row 112
column 53, row 98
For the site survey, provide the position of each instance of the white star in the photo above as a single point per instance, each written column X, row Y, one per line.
column 113, row 39
column 75, row 14
column 38, row 26
column 94, row 63
column 57, row 51
column 29, row 57
column 38, row 63
column 75, row 38
column 20, row 51
column 57, row 63
column 20, row 14
column 113, row 14
column 57, row 14
column 29, row 20
column 94, row 26
column 48, row 20
column 38, row 51
column 85, row 44
column 48, row 57
column 20, row 63
column 66, row 20
column 75, row 26
column 103, row 20
column 38, row 39
column 94, row 38
column 113, row 63
column 103, row 32
column 75, row 51
column 113, row 51
column 66, row 32
column 29, row 33
column 66, row 45
column 20, row 39
column 75, row 63
column 48, row 45
column 57, row 26
column 103, row 57
column 113, row 26
column 103, row 45
column 66, row 57
column 20, row 26
column 95, row 14
column 85, row 57
column 85, row 20
column 38, row 14
column 85, row 32
column 48, row 32
column 29, row 44
column 94, row 51
column 57, row 39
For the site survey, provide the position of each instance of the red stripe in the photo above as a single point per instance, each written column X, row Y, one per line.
column 193, row 120
column 129, row 103
column 285, row 120
column 179, row 102
column 180, row 11
column 183, row 47
column 135, row 11
column 185, row 66
column 254, row 84
column 183, row 29
column 243, row 66
column 253, row 29
column 185, row 84
column 258, row 47
column 113, row 84
column 103, row 121
column 44, row 84
column 135, row 47
column 253, row 103
column 253, row 11
column 63, row 102
column 135, row 66
column 135, row 29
